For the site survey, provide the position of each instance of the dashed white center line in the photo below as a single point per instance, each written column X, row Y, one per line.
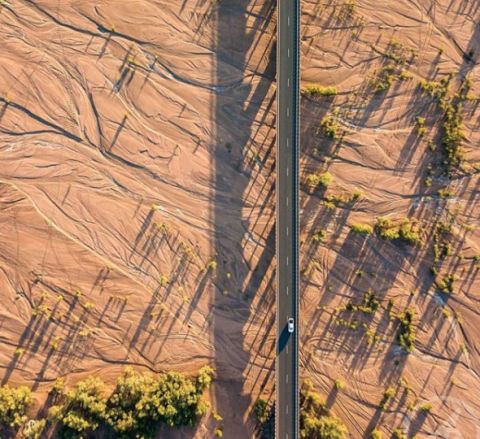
column 287, row 201
column 288, row 21
column 286, row 378
column 287, row 142
column 288, row 111
column 287, row 172
column 287, row 231
column 288, row 82
column 287, row 260
column 287, row 295
column 288, row 53
column 286, row 409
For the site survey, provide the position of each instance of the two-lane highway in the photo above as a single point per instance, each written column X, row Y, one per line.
column 288, row 67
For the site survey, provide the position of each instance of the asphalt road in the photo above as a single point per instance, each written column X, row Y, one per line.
column 288, row 57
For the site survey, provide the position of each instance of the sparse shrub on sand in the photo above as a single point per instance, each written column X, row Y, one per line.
column 386, row 398
column 398, row 433
column 319, row 236
column 315, row 419
column 330, row 126
column 323, row 179
column 316, row 90
column 408, row 230
column 262, row 410
column 446, row 283
column 426, row 407
column 340, row 384
column 376, row 434
column 361, row 229
column 420, row 126
column 406, row 331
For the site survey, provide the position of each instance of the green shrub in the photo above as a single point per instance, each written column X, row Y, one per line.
column 319, row 236
column 362, row 229
column 138, row 404
column 315, row 420
column 261, row 410
column 446, row 284
column 329, row 125
column 421, row 130
column 406, row 332
column 13, row 404
column 34, row 428
column 409, row 232
column 398, row 433
column 323, row 427
column 323, row 179
column 315, row 90
column 387, row 396
column 82, row 409
column 426, row 407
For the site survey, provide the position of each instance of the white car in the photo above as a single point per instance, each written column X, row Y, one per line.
column 291, row 324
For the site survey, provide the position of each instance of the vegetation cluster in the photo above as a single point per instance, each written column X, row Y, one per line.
column 138, row 405
column 315, row 419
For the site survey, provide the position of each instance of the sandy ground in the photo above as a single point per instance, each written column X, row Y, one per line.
column 380, row 153
column 136, row 194
column 137, row 172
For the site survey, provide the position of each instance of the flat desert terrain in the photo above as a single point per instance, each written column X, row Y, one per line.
column 407, row 80
column 137, row 190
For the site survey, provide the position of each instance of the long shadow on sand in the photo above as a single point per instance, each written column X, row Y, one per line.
column 236, row 119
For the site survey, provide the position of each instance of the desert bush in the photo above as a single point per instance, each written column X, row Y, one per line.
column 140, row 402
column 387, row 396
column 426, row 407
column 13, row 405
column 406, row 332
column 315, row 420
column 323, row 427
column 356, row 195
column 137, row 405
column 408, row 231
column 362, row 229
column 421, row 130
column 376, row 434
column 453, row 135
column 261, row 410
column 81, row 409
column 340, row 384
column 34, row 428
column 330, row 126
column 319, row 236
column 446, row 283
column 398, row 433
column 316, row 90
column 323, row 179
